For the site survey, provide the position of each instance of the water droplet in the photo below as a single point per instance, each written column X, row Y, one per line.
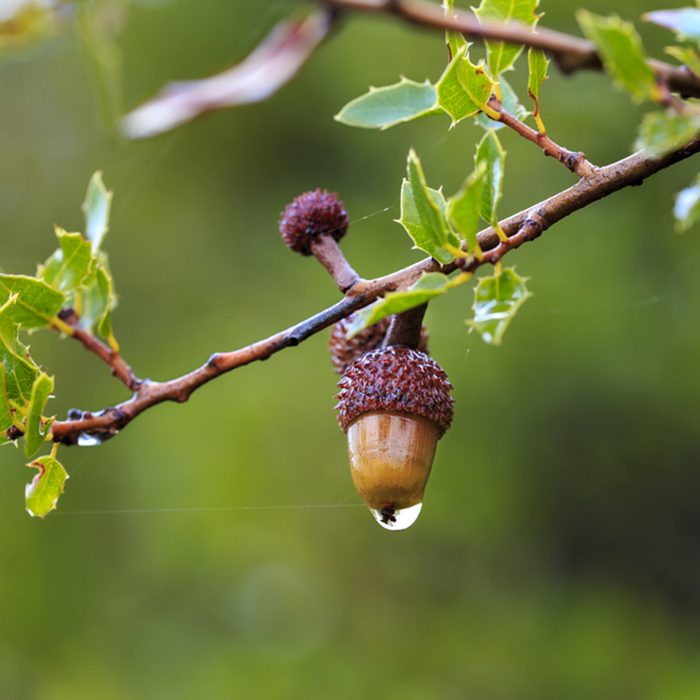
column 89, row 440
column 397, row 519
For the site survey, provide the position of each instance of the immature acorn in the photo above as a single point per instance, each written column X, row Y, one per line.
column 344, row 351
column 394, row 403
column 311, row 217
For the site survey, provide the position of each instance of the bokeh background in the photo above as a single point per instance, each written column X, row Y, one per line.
column 558, row 553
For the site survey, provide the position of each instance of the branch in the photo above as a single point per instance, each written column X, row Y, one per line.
column 575, row 161
column 120, row 369
column 570, row 53
column 520, row 228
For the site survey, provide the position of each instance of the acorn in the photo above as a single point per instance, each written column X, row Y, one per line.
column 311, row 217
column 344, row 351
column 394, row 403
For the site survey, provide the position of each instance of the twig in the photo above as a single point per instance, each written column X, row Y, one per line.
column 573, row 160
column 327, row 251
column 119, row 367
column 520, row 228
column 570, row 53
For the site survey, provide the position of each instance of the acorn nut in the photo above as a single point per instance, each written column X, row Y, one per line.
column 394, row 403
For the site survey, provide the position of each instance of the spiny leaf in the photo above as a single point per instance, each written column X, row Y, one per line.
column 685, row 21
column 463, row 208
column 42, row 494
column 490, row 152
column 36, row 431
column 496, row 301
column 9, row 330
column 96, row 207
column 5, row 407
column 687, row 206
column 510, row 103
column 537, row 64
column 464, row 88
column 20, row 369
column 430, row 285
column 661, row 132
column 423, row 214
column 98, row 300
column 382, row 108
column 68, row 266
column 501, row 56
column 689, row 58
column 621, row 51
column 36, row 302
column 454, row 40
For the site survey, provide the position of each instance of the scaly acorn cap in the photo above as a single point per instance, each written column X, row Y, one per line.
column 315, row 213
column 344, row 351
column 395, row 379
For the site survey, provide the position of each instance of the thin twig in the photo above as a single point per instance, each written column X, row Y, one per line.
column 520, row 228
column 119, row 367
column 327, row 251
column 570, row 53
column 575, row 161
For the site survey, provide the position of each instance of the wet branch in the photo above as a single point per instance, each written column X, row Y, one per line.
column 570, row 53
column 520, row 228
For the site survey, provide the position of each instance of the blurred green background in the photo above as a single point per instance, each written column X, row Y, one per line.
column 558, row 553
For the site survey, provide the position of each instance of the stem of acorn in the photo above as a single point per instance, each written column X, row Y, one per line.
column 405, row 328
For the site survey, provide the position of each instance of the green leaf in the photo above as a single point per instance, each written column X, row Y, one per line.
column 423, row 214
column 537, row 64
column 490, row 152
column 689, row 58
column 20, row 369
column 96, row 207
column 463, row 208
column 687, row 206
column 68, row 266
column 496, row 301
column 501, row 56
column 5, row 407
column 621, row 50
column 36, row 302
column 35, row 429
column 430, row 285
column 98, row 300
column 661, row 132
column 382, row 108
column 42, row 494
column 464, row 88
column 510, row 103
column 685, row 21
column 455, row 40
